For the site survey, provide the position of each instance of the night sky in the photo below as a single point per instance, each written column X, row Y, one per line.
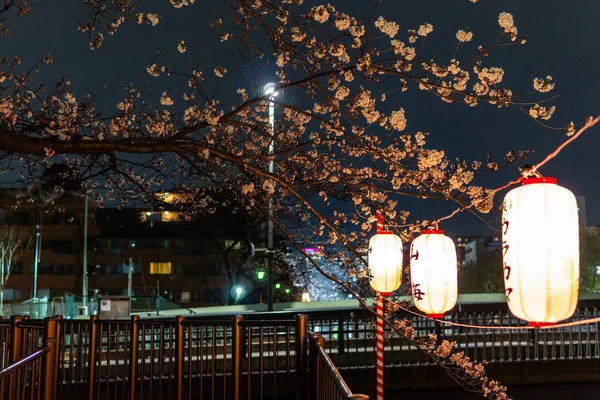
column 563, row 41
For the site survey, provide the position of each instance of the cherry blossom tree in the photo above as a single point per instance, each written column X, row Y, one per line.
column 11, row 240
column 341, row 135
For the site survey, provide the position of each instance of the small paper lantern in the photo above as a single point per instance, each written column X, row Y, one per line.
column 385, row 260
column 433, row 273
column 540, row 247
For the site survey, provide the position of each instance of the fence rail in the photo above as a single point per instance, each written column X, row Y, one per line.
column 157, row 358
column 258, row 356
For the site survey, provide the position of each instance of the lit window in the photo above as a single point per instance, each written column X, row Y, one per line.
column 160, row 268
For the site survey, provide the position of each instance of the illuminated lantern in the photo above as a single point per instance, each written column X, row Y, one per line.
column 540, row 247
column 433, row 273
column 385, row 260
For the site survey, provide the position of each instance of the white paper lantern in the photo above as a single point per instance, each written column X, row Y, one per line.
column 540, row 247
column 385, row 262
column 433, row 272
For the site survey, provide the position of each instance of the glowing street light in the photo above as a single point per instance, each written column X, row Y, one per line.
column 270, row 90
column 239, row 291
column 260, row 275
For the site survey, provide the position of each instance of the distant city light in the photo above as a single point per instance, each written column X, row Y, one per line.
column 287, row 291
column 277, row 285
column 305, row 297
column 166, row 213
column 260, row 275
column 239, row 291
column 148, row 213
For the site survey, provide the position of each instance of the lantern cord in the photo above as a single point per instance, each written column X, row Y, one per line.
column 496, row 327
column 566, row 143
column 532, row 171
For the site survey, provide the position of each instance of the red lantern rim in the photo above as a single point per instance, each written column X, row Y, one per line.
column 541, row 179
column 385, row 232
column 432, row 232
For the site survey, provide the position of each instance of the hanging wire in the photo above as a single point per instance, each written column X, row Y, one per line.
column 496, row 327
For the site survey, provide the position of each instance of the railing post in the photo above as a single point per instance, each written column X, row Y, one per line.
column 301, row 356
column 237, row 355
column 48, row 389
column 15, row 354
column 133, row 355
column 316, row 341
column 58, row 349
column 179, row 354
column 341, row 344
column 92, row 349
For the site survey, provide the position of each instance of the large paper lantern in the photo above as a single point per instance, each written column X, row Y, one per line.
column 433, row 272
column 385, row 260
column 540, row 247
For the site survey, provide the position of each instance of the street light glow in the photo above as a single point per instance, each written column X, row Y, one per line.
column 239, row 291
column 260, row 275
column 270, row 89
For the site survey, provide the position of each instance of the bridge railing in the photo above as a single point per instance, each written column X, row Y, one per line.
column 351, row 338
column 175, row 358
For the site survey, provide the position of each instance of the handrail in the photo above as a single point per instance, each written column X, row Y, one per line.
column 21, row 363
column 320, row 359
column 333, row 371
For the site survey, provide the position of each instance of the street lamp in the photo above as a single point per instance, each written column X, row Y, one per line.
column 238, row 290
column 270, row 90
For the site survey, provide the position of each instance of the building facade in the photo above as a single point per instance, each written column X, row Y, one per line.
column 169, row 253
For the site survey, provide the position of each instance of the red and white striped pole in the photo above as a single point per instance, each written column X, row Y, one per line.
column 380, row 365
column 380, row 302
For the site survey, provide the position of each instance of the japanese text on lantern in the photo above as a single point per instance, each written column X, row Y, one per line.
column 506, row 206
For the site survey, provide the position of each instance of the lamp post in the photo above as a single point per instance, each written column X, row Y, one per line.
column 84, row 275
column 271, row 92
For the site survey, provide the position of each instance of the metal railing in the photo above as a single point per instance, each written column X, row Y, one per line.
column 351, row 338
column 256, row 356
column 325, row 380
column 175, row 358
column 31, row 359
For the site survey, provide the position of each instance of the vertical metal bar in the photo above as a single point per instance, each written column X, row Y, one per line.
column 15, row 354
column 274, row 335
column 213, row 347
column 316, row 341
column 261, row 359
column 179, row 348
column 301, row 356
column 92, row 349
column 57, row 361
column 288, row 359
column 108, row 346
column 341, row 344
column 249, row 362
column 236, row 356
column 133, row 355
column 142, row 358
column 161, row 350
column 50, row 359
column 117, row 336
column 190, row 360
